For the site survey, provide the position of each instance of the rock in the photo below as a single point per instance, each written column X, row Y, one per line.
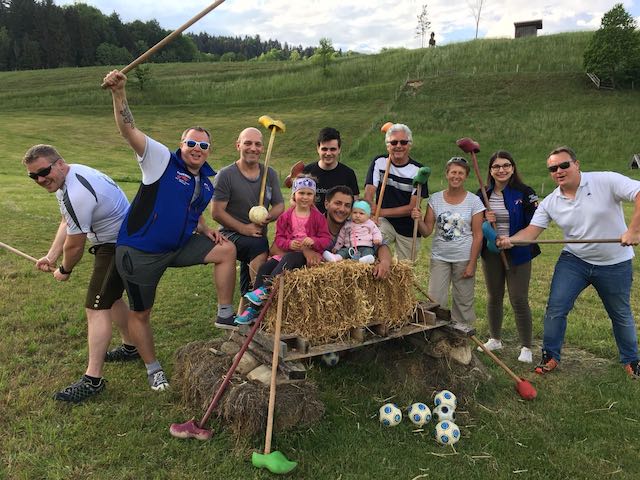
column 247, row 363
column 461, row 354
column 260, row 374
column 230, row 348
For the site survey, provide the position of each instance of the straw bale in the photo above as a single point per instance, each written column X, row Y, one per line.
column 321, row 304
column 198, row 372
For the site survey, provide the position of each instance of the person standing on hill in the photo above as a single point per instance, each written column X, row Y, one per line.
column 92, row 207
column 399, row 195
column 237, row 190
column 164, row 226
column 329, row 171
column 587, row 205
column 511, row 207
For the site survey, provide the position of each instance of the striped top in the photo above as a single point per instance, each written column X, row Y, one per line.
column 496, row 204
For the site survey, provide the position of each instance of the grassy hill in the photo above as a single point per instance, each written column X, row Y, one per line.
column 526, row 96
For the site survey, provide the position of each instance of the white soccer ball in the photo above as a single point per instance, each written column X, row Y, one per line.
column 390, row 415
column 445, row 396
column 419, row 413
column 258, row 214
column 444, row 412
column 447, row 433
column 331, row 359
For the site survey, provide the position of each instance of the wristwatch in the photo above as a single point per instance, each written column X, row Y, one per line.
column 63, row 271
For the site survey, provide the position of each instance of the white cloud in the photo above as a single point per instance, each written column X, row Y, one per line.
column 365, row 26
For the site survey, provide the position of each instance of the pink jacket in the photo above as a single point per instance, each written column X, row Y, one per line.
column 358, row 235
column 316, row 228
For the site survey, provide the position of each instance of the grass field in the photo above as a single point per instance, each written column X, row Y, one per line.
column 526, row 96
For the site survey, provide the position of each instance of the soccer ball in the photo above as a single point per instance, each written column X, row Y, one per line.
column 444, row 412
column 331, row 359
column 390, row 415
column 445, row 396
column 447, row 433
column 419, row 413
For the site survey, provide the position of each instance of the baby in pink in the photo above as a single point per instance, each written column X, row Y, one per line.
column 357, row 238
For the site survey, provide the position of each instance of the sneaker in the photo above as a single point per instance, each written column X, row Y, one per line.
column 368, row 259
column 547, row 364
column 226, row 323
column 525, row 355
column 633, row 369
column 121, row 354
column 158, row 381
column 491, row 345
column 247, row 317
column 258, row 296
column 330, row 257
column 80, row 391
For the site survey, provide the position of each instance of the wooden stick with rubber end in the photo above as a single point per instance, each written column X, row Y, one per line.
column 274, row 367
column 468, row 145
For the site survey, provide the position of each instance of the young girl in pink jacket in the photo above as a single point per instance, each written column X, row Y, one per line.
column 301, row 227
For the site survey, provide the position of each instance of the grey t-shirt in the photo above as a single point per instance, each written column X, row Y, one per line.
column 242, row 193
column 452, row 233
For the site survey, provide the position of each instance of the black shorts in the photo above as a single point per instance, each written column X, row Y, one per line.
column 247, row 248
column 141, row 271
column 105, row 286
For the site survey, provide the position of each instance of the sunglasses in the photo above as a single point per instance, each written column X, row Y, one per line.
column 43, row 172
column 193, row 143
column 504, row 166
column 396, row 142
column 563, row 165
column 457, row 160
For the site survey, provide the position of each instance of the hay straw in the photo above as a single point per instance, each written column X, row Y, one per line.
column 323, row 303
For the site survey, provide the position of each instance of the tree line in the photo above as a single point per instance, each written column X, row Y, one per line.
column 39, row 34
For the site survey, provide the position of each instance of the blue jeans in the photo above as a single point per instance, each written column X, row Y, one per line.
column 613, row 284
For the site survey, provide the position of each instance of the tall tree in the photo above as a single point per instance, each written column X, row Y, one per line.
column 423, row 25
column 476, row 9
column 324, row 54
column 614, row 50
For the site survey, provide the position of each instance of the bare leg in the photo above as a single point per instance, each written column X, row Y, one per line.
column 120, row 316
column 98, row 339
column 142, row 335
column 224, row 272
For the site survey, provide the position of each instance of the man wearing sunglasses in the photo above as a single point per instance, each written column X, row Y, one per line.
column 399, row 195
column 237, row 190
column 329, row 171
column 588, row 205
column 92, row 207
column 164, row 226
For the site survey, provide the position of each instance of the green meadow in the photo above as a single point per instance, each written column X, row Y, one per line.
column 526, row 96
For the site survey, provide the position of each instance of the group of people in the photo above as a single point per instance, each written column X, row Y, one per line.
column 164, row 227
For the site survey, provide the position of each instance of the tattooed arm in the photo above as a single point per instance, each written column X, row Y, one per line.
column 116, row 81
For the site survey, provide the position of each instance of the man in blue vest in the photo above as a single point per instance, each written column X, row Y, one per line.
column 164, row 226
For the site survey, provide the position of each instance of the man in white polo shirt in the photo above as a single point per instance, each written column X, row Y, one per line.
column 588, row 205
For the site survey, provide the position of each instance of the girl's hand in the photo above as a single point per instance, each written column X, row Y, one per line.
column 307, row 242
column 416, row 213
column 490, row 216
column 377, row 241
column 296, row 245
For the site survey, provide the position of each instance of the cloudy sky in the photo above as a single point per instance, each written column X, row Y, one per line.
column 364, row 25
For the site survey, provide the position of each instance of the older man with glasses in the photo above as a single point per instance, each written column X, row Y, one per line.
column 399, row 196
column 164, row 227
column 588, row 205
column 92, row 207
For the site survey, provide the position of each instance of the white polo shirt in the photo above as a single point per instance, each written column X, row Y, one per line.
column 595, row 212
